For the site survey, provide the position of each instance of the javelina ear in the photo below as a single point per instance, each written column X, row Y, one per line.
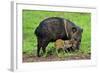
column 74, row 29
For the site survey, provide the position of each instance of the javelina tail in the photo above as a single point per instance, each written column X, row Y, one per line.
column 36, row 31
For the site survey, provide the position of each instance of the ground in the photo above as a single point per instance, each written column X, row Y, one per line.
column 30, row 58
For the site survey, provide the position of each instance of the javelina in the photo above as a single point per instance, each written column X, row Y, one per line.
column 63, row 44
column 66, row 45
column 53, row 28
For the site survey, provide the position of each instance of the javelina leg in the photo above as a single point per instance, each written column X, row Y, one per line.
column 44, row 45
column 72, row 49
column 38, row 48
column 68, row 49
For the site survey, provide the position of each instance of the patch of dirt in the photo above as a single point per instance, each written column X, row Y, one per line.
column 27, row 58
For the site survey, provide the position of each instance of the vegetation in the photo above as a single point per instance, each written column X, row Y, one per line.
column 31, row 20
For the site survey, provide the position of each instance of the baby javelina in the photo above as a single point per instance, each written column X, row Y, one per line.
column 64, row 45
column 68, row 44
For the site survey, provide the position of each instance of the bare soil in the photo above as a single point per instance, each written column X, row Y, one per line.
column 27, row 58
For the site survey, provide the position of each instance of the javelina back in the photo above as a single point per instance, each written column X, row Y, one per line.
column 53, row 28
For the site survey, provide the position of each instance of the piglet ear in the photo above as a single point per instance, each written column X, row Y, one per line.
column 74, row 29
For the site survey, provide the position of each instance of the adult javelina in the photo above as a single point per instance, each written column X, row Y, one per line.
column 53, row 28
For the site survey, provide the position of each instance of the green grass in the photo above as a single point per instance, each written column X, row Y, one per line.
column 31, row 20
